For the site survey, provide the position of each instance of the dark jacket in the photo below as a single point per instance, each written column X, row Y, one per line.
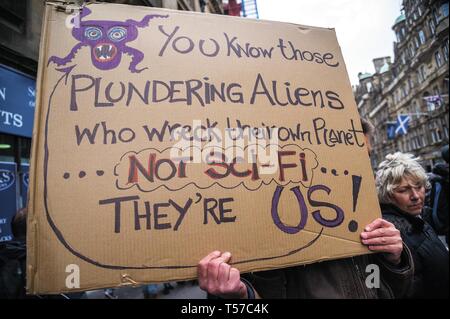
column 336, row 279
column 437, row 199
column 12, row 270
column 429, row 254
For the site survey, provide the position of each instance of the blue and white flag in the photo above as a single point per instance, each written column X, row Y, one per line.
column 391, row 130
column 433, row 102
column 401, row 127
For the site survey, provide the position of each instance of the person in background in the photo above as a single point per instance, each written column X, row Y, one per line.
column 13, row 260
column 167, row 288
column 437, row 197
column 13, row 264
column 401, row 182
column 150, row 291
column 368, row 130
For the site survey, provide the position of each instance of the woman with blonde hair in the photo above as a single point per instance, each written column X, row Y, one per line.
column 401, row 183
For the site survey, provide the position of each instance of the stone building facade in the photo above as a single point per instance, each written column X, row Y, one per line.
column 415, row 84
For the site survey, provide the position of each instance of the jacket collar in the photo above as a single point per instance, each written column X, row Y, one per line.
column 391, row 209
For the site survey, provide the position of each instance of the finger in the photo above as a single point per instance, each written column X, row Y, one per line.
column 202, row 267
column 214, row 264
column 377, row 223
column 235, row 282
column 381, row 241
column 235, row 275
column 380, row 232
column 385, row 248
column 224, row 273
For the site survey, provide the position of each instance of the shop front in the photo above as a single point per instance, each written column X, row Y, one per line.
column 17, row 103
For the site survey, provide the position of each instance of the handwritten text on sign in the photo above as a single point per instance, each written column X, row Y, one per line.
column 167, row 135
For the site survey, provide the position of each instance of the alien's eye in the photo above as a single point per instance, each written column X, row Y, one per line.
column 93, row 33
column 117, row 33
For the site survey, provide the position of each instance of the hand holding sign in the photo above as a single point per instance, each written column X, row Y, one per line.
column 218, row 278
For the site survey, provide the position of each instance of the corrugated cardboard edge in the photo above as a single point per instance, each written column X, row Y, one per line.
column 39, row 120
column 32, row 223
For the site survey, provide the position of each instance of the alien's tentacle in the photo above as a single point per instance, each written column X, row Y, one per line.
column 136, row 57
column 85, row 11
column 62, row 61
column 144, row 22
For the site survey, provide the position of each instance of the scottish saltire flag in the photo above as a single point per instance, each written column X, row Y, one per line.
column 433, row 102
column 401, row 127
column 391, row 130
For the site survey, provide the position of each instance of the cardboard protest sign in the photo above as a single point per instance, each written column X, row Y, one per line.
column 162, row 135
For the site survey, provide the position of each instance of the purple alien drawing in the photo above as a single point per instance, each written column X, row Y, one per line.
column 107, row 41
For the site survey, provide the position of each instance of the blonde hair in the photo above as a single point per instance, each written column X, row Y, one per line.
column 391, row 172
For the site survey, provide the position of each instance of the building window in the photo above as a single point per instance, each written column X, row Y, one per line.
column 436, row 90
column 411, row 49
column 445, row 50
column 433, row 137
column 422, row 37
column 435, row 16
column 437, row 57
column 419, row 77
column 436, row 133
column 444, row 10
column 424, row 140
column 416, row 41
column 421, row 73
column 432, row 27
column 408, row 52
column 416, row 108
